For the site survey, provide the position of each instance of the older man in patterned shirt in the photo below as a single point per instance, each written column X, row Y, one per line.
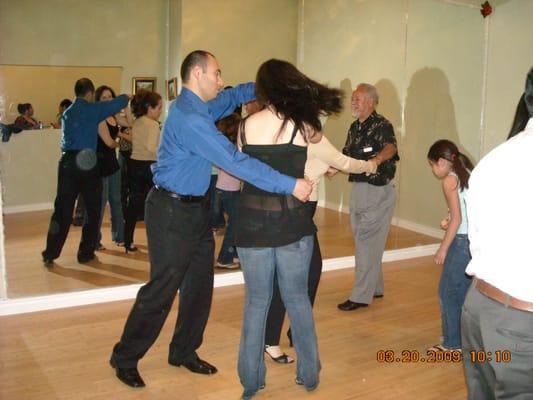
column 371, row 136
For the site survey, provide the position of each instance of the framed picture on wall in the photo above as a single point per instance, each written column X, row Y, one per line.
column 145, row 83
column 172, row 88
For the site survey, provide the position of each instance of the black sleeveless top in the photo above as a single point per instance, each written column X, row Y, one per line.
column 107, row 157
column 267, row 219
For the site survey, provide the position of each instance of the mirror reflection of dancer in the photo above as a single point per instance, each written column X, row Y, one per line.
column 180, row 242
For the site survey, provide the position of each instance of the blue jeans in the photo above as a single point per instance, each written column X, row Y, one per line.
column 229, row 204
column 454, row 284
column 291, row 265
column 111, row 192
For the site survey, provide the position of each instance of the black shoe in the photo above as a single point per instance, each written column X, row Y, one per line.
column 130, row 376
column 129, row 248
column 289, row 336
column 197, row 366
column 86, row 259
column 349, row 305
column 378, row 296
column 283, row 359
column 48, row 262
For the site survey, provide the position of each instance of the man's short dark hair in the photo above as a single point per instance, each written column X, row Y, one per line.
column 83, row 86
column 197, row 57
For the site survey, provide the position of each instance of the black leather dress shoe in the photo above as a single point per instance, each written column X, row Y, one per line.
column 378, row 296
column 197, row 366
column 349, row 305
column 48, row 262
column 130, row 376
column 86, row 259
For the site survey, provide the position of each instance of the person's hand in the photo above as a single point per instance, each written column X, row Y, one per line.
column 440, row 256
column 331, row 172
column 302, row 189
column 373, row 167
column 444, row 224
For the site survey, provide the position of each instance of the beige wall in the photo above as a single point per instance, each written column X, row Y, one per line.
column 428, row 60
column 240, row 33
column 45, row 86
column 127, row 33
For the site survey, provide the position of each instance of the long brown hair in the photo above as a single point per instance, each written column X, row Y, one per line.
column 461, row 164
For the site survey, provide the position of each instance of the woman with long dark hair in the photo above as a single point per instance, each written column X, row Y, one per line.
column 453, row 169
column 273, row 233
column 146, row 107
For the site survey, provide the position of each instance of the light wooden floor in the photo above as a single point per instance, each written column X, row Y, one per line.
column 25, row 237
column 63, row 354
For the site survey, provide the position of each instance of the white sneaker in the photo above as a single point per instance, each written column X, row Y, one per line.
column 231, row 265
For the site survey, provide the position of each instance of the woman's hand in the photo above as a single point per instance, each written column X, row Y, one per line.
column 440, row 256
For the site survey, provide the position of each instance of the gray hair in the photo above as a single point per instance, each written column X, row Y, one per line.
column 371, row 92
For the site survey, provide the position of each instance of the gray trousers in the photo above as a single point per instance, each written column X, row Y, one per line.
column 490, row 327
column 371, row 209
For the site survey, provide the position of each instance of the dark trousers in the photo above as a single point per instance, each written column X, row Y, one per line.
column 229, row 202
column 276, row 313
column 77, row 173
column 139, row 184
column 216, row 215
column 181, row 249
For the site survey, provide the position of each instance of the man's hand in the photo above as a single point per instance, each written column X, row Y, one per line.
column 373, row 167
column 303, row 189
column 331, row 171
column 445, row 223
column 440, row 256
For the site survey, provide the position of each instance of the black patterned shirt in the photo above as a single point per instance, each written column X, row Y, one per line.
column 365, row 140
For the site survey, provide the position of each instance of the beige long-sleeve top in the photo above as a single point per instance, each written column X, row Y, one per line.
column 145, row 134
column 322, row 155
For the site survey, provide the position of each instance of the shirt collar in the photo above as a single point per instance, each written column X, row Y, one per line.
column 529, row 127
column 366, row 121
column 197, row 102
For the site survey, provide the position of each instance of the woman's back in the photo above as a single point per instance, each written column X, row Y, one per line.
column 267, row 219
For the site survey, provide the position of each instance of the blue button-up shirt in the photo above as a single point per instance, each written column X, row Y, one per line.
column 79, row 122
column 190, row 144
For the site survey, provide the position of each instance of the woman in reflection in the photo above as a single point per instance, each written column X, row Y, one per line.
column 25, row 120
column 274, row 233
column 65, row 103
column 146, row 107
column 108, row 132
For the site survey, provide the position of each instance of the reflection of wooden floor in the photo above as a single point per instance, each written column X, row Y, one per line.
column 25, row 236
column 69, row 358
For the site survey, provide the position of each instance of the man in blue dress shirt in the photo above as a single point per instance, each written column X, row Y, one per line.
column 78, row 171
column 180, row 243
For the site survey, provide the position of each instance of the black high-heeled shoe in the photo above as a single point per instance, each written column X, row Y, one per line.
column 283, row 359
column 129, row 248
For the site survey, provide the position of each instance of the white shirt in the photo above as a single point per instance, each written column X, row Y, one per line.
column 500, row 217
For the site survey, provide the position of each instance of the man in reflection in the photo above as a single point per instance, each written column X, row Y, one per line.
column 78, row 172
column 497, row 317
column 180, row 241
column 370, row 137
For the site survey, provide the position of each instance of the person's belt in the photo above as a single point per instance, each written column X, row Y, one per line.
column 501, row 297
column 186, row 198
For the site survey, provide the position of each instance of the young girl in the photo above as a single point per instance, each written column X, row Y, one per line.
column 453, row 168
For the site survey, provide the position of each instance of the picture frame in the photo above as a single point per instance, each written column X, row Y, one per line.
column 147, row 83
column 172, row 88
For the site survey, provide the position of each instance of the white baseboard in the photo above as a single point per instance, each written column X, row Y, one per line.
column 117, row 293
column 28, row 208
column 400, row 222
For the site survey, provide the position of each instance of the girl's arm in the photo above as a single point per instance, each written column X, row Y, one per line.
column 450, row 187
column 125, row 120
column 126, row 135
column 103, row 132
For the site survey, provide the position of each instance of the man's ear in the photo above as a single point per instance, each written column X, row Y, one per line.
column 196, row 71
